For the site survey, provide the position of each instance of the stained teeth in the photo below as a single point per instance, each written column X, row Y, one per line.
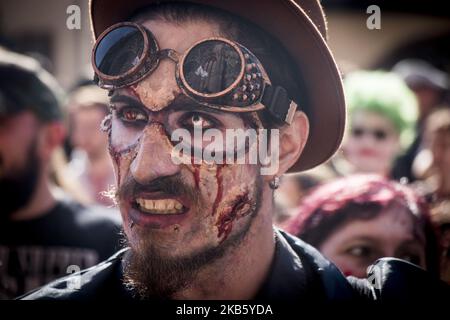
column 149, row 204
column 160, row 206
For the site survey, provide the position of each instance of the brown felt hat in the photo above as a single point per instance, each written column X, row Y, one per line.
column 300, row 26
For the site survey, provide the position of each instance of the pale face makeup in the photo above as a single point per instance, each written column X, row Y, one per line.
column 180, row 209
column 359, row 243
column 374, row 146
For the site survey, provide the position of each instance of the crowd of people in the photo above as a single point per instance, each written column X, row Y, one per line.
column 384, row 193
column 49, row 226
column 394, row 160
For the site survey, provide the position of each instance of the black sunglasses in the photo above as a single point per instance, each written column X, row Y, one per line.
column 378, row 134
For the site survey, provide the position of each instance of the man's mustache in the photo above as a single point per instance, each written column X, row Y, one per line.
column 169, row 185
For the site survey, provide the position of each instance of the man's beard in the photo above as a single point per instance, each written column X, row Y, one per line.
column 150, row 273
column 18, row 186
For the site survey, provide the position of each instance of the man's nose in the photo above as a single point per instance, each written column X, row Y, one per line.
column 153, row 159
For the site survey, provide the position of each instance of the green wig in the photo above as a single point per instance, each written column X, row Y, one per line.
column 384, row 93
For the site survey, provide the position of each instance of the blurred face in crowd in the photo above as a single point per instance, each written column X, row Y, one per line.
column 372, row 144
column 19, row 160
column 359, row 243
column 86, row 134
column 428, row 98
column 440, row 148
column 177, row 218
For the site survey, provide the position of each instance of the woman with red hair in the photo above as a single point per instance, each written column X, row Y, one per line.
column 356, row 220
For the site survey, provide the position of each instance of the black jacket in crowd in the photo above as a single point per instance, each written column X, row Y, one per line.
column 298, row 273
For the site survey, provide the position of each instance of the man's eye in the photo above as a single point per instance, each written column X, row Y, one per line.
column 197, row 121
column 132, row 115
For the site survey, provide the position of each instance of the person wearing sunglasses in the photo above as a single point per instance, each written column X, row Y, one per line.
column 382, row 114
column 203, row 229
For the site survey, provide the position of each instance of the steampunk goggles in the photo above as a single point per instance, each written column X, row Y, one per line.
column 215, row 72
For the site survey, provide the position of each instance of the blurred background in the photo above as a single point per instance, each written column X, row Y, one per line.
column 409, row 29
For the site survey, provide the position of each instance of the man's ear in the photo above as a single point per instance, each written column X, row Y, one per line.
column 52, row 136
column 293, row 138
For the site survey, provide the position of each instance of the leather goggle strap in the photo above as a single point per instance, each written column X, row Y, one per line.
column 278, row 103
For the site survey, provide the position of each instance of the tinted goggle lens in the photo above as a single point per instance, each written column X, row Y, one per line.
column 217, row 73
column 119, row 51
column 212, row 67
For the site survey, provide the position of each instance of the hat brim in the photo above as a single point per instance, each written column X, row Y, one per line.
column 286, row 21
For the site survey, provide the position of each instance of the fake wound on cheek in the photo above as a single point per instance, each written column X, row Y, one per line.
column 228, row 204
column 238, row 208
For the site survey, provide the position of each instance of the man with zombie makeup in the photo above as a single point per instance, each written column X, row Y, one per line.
column 42, row 237
column 196, row 228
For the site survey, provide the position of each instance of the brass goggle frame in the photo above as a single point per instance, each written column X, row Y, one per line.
column 250, row 91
